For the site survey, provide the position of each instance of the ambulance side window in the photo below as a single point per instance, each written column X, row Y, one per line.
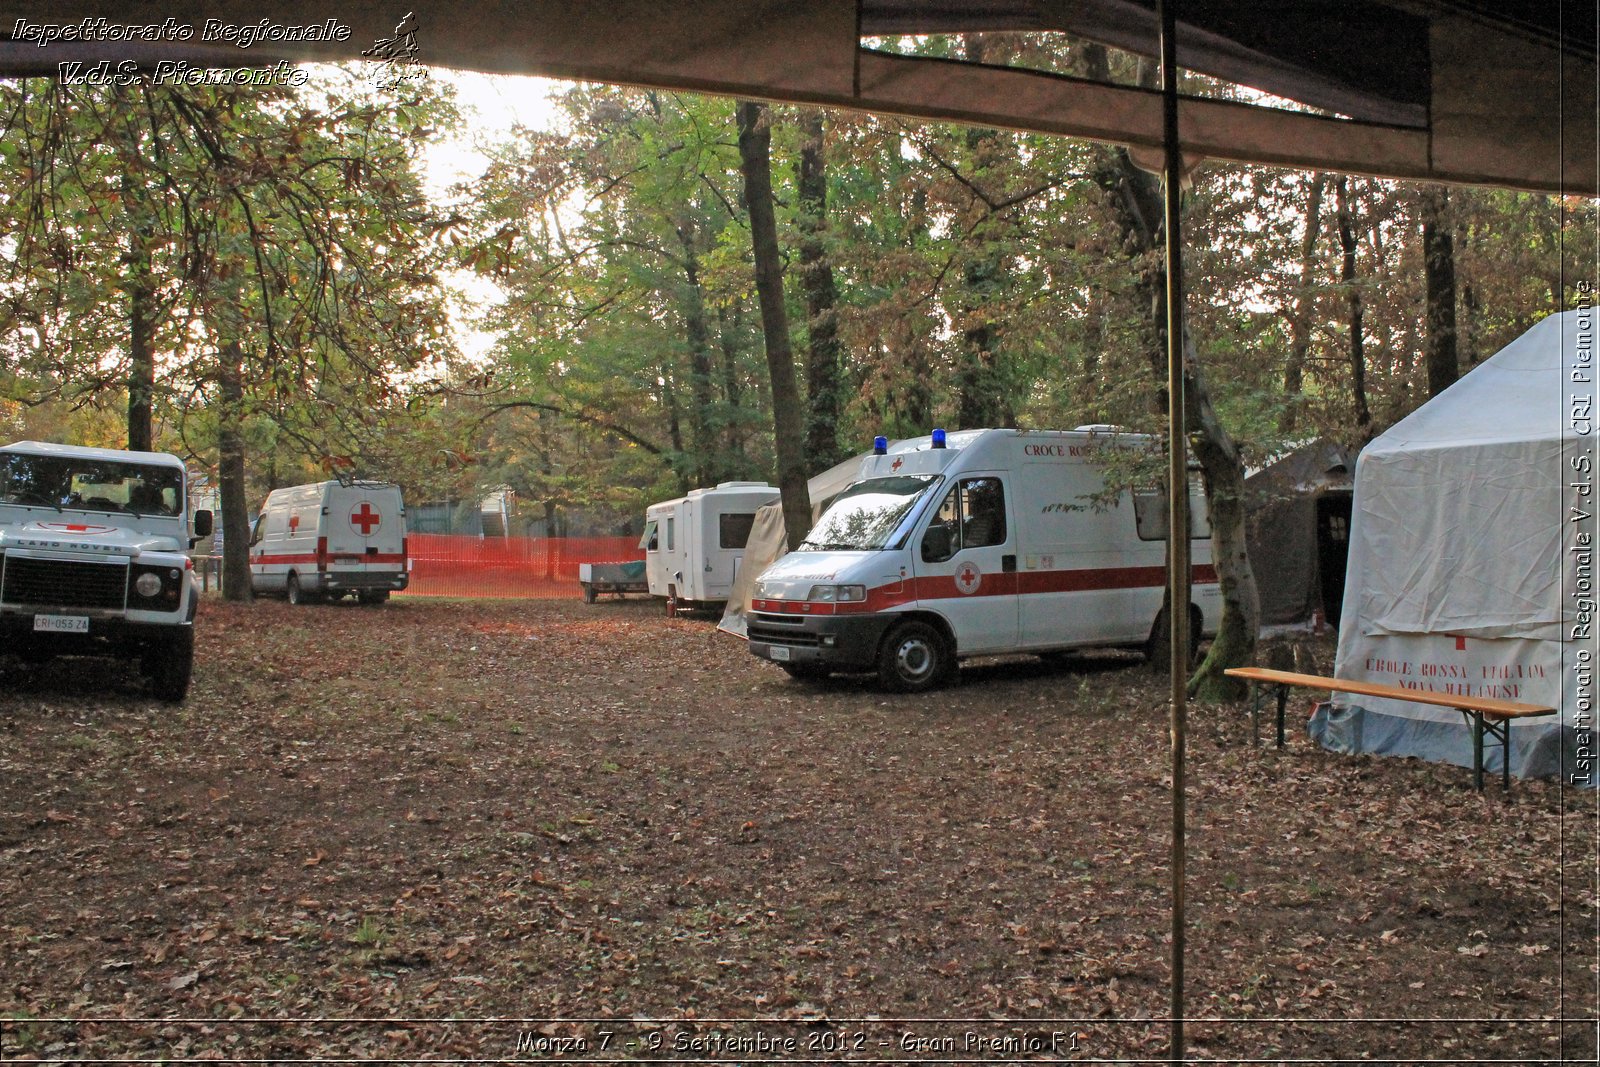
column 256, row 531
column 983, row 513
column 972, row 515
column 941, row 540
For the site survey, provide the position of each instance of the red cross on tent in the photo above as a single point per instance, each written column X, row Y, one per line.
column 365, row 518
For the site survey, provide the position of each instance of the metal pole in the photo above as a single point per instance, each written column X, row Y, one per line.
column 1178, row 498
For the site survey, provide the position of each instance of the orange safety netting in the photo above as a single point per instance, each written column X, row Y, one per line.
column 463, row 565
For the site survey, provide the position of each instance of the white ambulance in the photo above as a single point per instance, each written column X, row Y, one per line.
column 330, row 539
column 693, row 545
column 974, row 543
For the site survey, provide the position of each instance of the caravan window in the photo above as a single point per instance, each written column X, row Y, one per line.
column 733, row 531
column 670, row 524
column 647, row 540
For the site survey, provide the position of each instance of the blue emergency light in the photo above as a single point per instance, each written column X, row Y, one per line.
column 880, row 446
column 938, row 439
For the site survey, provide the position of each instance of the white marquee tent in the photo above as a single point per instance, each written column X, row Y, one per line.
column 1471, row 562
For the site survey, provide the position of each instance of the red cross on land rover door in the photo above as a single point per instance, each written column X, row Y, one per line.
column 365, row 519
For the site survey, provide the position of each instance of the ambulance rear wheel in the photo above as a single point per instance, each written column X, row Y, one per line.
column 293, row 593
column 913, row 658
column 1157, row 648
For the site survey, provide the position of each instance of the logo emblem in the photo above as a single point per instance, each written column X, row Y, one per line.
column 968, row 578
column 896, row 464
column 77, row 528
column 365, row 519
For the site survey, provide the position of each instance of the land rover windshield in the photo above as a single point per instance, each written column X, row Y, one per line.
column 75, row 483
column 866, row 516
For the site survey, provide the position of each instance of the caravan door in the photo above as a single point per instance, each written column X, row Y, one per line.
column 966, row 563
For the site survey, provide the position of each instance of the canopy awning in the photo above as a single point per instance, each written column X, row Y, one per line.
column 1497, row 94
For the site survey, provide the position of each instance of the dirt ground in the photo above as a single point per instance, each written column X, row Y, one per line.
column 485, row 831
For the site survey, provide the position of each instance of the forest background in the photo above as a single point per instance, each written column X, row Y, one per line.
column 254, row 278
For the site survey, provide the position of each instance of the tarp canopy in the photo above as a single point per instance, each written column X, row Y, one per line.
column 769, row 539
column 1471, row 558
column 1450, row 90
column 1286, row 536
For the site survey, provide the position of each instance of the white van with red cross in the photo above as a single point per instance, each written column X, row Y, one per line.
column 331, row 539
column 978, row 542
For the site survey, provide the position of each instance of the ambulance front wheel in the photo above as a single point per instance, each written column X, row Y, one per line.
column 292, row 591
column 913, row 659
column 807, row 672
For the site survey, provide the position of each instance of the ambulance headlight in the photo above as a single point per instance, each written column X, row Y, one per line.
column 838, row 594
column 147, row 584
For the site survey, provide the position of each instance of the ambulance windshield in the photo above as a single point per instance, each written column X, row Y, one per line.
column 866, row 516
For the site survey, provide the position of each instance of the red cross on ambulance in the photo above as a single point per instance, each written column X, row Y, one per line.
column 365, row 519
column 968, row 578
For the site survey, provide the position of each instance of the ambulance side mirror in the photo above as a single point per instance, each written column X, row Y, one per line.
column 937, row 545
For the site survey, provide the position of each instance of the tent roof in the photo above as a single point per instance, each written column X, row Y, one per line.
column 1514, row 395
column 1451, row 90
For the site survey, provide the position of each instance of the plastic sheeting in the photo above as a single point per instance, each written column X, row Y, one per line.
column 769, row 539
column 1459, row 578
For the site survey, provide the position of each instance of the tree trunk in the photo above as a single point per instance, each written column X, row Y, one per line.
column 669, row 398
column 755, row 161
column 699, row 336
column 1240, row 625
column 1439, row 273
column 235, row 516
column 729, row 317
column 981, row 396
column 1304, row 306
column 141, row 318
column 824, row 390
column 1347, row 274
column 1135, row 198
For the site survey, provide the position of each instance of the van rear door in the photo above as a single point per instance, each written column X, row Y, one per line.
column 366, row 529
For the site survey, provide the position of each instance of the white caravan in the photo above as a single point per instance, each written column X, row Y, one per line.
column 94, row 558
column 327, row 540
column 979, row 542
column 693, row 545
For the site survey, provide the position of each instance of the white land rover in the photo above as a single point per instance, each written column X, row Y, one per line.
column 94, row 560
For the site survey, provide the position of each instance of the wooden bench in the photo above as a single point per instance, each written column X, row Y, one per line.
column 1485, row 715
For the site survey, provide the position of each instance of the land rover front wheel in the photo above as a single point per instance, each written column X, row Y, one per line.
column 913, row 658
column 170, row 665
